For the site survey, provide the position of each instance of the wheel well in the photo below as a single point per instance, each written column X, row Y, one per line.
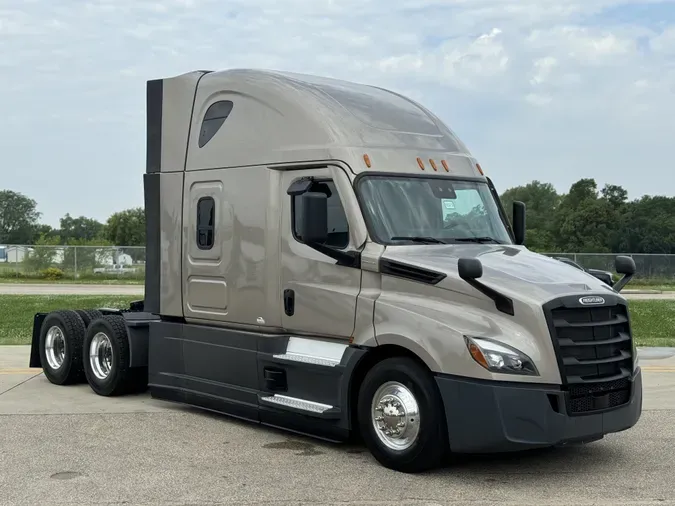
column 374, row 355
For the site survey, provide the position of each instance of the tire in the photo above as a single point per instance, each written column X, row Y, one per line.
column 60, row 347
column 88, row 315
column 427, row 448
column 111, row 377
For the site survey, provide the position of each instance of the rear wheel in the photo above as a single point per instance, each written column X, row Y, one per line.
column 88, row 315
column 60, row 347
column 401, row 416
column 106, row 363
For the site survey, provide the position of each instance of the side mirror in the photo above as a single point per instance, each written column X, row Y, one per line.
column 314, row 217
column 469, row 268
column 626, row 266
column 519, row 222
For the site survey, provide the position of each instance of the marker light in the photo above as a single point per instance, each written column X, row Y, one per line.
column 500, row 358
column 366, row 159
column 479, row 169
column 420, row 163
column 445, row 165
column 433, row 164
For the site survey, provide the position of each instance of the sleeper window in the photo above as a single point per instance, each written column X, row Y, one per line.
column 214, row 118
column 338, row 227
column 205, row 222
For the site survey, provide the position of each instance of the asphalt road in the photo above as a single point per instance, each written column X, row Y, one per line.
column 73, row 289
column 67, row 446
column 69, row 289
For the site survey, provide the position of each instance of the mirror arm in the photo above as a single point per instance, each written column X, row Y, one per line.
column 470, row 269
column 502, row 302
column 344, row 258
column 618, row 286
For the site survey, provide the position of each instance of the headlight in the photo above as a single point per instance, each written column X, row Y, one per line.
column 498, row 357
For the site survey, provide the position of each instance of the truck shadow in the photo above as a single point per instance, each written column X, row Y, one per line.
column 497, row 468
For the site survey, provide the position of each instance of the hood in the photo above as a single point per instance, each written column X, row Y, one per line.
column 512, row 270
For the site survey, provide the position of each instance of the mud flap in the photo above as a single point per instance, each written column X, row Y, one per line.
column 35, row 342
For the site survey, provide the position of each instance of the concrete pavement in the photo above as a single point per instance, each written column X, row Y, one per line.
column 67, row 446
column 69, row 289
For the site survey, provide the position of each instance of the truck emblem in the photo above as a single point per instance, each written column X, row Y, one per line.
column 591, row 300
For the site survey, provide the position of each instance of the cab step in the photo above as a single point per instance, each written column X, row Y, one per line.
column 302, row 406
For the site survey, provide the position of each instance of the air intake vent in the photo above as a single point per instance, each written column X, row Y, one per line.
column 401, row 270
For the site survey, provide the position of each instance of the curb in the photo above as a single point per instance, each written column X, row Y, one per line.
column 655, row 353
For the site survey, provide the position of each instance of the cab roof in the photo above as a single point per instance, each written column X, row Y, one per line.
column 254, row 116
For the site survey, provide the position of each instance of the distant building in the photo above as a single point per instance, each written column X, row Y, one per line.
column 17, row 254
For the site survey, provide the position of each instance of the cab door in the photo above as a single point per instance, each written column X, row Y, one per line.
column 318, row 295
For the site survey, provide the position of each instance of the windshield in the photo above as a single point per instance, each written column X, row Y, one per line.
column 402, row 209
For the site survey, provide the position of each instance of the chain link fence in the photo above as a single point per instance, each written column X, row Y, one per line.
column 72, row 262
column 128, row 262
column 650, row 268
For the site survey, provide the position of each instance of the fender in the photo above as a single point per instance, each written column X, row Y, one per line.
column 138, row 334
column 407, row 343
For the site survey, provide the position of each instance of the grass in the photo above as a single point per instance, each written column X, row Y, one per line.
column 653, row 320
column 16, row 311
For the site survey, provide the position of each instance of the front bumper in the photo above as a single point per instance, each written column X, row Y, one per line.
column 487, row 417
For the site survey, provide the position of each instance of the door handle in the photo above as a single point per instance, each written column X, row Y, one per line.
column 289, row 302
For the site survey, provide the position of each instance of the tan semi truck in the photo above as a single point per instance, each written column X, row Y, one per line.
column 329, row 258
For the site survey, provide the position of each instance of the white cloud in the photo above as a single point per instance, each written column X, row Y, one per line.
column 664, row 43
column 527, row 83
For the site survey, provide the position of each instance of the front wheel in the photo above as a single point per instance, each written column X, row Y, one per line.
column 401, row 416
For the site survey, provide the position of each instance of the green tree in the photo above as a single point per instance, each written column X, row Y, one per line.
column 126, row 228
column 18, row 218
column 584, row 221
column 84, row 256
column 44, row 254
column 616, row 198
column 542, row 201
column 43, row 230
column 615, row 195
column 650, row 225
column 80, row 229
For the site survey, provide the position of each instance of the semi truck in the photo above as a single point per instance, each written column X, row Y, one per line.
column 329, row 258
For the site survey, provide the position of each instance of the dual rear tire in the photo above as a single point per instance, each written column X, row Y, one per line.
column 85, row 345
column 61, row 341
column 107, row 363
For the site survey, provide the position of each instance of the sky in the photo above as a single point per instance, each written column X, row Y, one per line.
column 537, row 89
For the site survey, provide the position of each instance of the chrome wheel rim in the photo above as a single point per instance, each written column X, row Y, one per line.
column 395, row 416
column 55, row 347
column 100, row 355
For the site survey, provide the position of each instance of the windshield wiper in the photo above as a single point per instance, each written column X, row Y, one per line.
column 426, row 240
column 476, row 239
